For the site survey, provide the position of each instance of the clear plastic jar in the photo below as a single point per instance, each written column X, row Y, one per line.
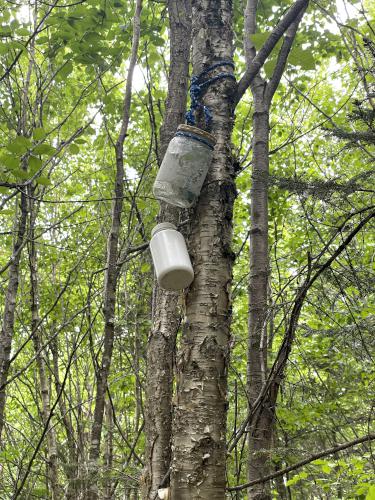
column 170, row 256
column 184, row 166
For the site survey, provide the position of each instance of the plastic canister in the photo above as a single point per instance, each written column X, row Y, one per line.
column 170, row 256
column 184, row 166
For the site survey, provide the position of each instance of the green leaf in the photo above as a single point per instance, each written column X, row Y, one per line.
column 19, row 146
column 158, row 41
column 44, row 181
column 297, row 478
column 74, row 149
column 44, row 149
column 269, row 67
column 371, row 493
column 10, row 161
column 319, row 461
column 64, row 71
column 303, row 58
column 40, row 492
column 326, row 468
column 5, row 31
column 39, row 133
column 92, row 37
column 4, row 48
column 20, row 174
column 14, row 44
column 34, row 164
column 258, row 39
column 145, row 267
column 55, row 19
column 23, row 32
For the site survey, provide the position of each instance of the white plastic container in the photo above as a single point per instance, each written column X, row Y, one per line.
column 184, row 166
column 170, row 256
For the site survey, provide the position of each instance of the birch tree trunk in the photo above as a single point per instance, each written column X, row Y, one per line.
column 112, row 271
column 7, row 327
column 166, row 317
column 199, row 427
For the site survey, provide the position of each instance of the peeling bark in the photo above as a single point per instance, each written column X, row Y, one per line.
column 199, row 451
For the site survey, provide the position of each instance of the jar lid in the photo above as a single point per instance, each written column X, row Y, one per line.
column 161, row 227
column 211, row 139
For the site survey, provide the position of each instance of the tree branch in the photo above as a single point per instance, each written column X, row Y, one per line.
column 329, row 451
column 278, row 367
column 258, row 61
column 38, row 29
column 283, row 57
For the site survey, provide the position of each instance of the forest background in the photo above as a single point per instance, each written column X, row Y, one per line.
column 93, row 356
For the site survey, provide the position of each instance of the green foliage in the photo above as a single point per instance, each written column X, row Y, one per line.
column 78, row 66
column 326, row 397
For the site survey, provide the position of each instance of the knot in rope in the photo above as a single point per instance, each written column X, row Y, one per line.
column 197, row 88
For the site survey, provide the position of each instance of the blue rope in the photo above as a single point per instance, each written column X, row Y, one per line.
column 198, row 86
column 196, row 138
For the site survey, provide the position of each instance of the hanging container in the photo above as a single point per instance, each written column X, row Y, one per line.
column 170, row 256
column 184, row 167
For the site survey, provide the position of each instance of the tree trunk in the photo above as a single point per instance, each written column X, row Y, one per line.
column 108, row 457
column 52, row 463
column 166, row 317
column 260, row 434
column 71, row 467
column 261, row 425
column 7, row 328
column 137, row 383
column 199, row 427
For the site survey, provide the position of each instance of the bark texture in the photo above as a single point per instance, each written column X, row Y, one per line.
column 166, row 317
column 260, row 432
column 7, row 327
column 199, row 451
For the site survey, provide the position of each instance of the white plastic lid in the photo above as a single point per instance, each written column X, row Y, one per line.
column 161, row 227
